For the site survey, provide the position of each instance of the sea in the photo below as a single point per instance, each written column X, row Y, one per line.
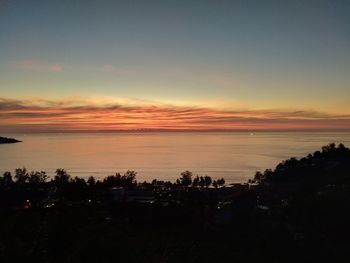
column 234, row 156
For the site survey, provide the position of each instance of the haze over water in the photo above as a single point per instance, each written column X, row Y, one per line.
column 235, row 156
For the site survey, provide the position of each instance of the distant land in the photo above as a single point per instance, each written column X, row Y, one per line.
column 4, row 140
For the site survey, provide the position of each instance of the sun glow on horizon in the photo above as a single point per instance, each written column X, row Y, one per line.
column 81, row 114
column 121, row 65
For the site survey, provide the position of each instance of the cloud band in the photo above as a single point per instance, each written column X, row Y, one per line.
column 39, row 115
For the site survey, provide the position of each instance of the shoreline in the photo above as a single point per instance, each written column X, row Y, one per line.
column 6, row 140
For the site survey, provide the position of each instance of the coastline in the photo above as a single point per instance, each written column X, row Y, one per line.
column 6, row 140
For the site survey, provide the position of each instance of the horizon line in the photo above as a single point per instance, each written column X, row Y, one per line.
column 252, row 131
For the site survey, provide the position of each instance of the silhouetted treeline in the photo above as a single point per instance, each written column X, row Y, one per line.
column 327, row 166
column 23, row 177
column 299, row 211
column 36, row 186
column 316, row 174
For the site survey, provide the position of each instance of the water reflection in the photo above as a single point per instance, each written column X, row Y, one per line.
column 234, row 156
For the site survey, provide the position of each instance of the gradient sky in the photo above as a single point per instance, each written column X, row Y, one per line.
column 227, row 64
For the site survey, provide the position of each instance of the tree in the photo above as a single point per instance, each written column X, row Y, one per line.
column 168, row 184
column 129, row 179
column 6, row 179
column 91, row 181
column 126, row 180
column 186, row 178
column 207, row 181
column 61, row 177
column 21, row 175
column 221, row 182
column 201, row 182
column 258, row 177
column 79, row 182
column 195, row 182
column 341, row 147
column 215, row 184
column 37, row 177
column 113, row 180
column 328, row 148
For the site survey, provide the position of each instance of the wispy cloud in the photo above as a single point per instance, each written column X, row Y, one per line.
column 31, row 115
column 109, row 68
column 37, row 65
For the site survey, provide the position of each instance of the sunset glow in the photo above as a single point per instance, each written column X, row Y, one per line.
column 174, row 130
column 80, row 115
column 177, row 65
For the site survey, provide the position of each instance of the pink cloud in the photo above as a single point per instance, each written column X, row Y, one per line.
column 37, row 65
column 109, row 68
column 68, row 115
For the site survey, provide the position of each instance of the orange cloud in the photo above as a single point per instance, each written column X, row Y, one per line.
column 80, row 115
column 37, row 65
column 109, row 68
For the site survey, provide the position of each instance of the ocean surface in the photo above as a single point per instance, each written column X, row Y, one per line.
column 234, row 156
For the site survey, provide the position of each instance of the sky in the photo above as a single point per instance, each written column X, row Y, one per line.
column 189, row 65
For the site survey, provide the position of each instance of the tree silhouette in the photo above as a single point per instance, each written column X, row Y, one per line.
column 310, row 169
column 207, row 181
column 329, row 148
column 113, row 180
column 186, row 178
column 201, row 182
column 91, row 181
column 6, row 179
column 195, row 182
column 21, row 175
column 38, row 177
column 221, row 182
column 79, row 182
column 126, row 180
column 61, row 177
column 129, row 179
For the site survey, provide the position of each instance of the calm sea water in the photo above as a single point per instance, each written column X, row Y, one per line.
column 234, row 156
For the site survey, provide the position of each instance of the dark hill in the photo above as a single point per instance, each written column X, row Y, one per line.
column 330, row 166
column 4, row 140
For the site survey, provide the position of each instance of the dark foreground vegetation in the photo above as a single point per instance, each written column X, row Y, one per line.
column 4, row 140
column 299, row 211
